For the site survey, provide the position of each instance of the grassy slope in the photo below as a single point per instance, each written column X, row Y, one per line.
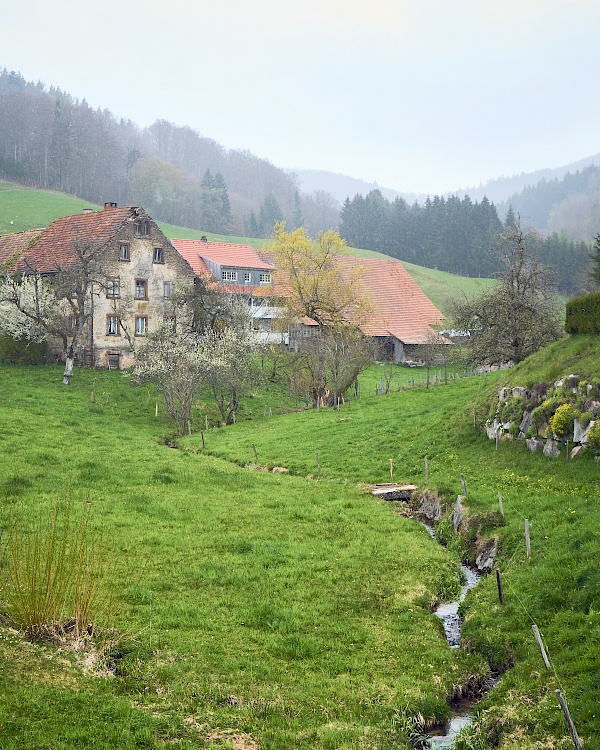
column 558, row 588
column 275, row 606
column 28, row 208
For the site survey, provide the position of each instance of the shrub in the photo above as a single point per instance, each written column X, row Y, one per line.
column 583, row 314
column 562, row 421
column 584, row 418
column 593, row 437
column 23, row 352
column 54, row 572
column 512, row 411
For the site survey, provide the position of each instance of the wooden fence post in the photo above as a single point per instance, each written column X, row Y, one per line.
column 572, row 730
column 540, row 643
column 527, row 539
column 391, row 470
column 206, row 421
column 501, row 504
column 464, row 484
column 255, row 453
column 189, row 426
column 203, row 445
column 426, row 471
column 500, row 589
column 156, row 410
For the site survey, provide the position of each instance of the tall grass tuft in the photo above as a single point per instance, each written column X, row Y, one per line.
column 54, row 572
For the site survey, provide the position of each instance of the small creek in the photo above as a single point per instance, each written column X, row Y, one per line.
column 462, row 716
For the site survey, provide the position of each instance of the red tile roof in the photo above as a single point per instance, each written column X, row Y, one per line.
column 54, row 249
column 15, row 246
column 223, row 253
column 398, row 306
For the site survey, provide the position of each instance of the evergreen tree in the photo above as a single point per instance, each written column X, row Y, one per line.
column 270, row 213
column 595, row 258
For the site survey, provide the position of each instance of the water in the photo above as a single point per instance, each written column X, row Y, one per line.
column 443, row 737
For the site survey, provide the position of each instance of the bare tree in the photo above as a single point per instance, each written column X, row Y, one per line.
column 519, row 315
column 329, row 363
column 40, row 307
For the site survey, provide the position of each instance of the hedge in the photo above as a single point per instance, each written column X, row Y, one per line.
column 583, row 314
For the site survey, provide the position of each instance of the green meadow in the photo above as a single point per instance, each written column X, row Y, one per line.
column 252, row 609
column 292, row 612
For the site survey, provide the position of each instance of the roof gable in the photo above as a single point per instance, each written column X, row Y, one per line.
column 55, row 248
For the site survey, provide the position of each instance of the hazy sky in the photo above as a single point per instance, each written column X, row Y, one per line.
column 429, row 95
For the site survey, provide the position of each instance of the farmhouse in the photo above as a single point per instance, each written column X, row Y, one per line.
column 400, row 316
column 132, row 269
column 242, row 272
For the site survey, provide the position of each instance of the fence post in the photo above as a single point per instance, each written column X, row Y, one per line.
column 391, row 469
column 572, row 730
column 500, row 588
column 464, row 484
column 426, row 470
column 527, row 539
column 500, row 503
column 540, row 643
column 255, row 453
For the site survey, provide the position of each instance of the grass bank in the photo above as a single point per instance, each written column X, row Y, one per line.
column 256, row 608
column 557, row 588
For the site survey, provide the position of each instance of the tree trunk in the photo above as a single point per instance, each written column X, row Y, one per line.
column 70, row 358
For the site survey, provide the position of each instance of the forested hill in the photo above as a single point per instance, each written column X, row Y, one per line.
column 569, row 203
column 48, row 139
column 454, row 235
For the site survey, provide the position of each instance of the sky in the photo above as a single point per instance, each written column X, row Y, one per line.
column 425, row 96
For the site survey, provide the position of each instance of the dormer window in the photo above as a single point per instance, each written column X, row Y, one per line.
column 228, row 275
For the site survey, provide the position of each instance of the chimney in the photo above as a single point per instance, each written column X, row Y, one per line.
column 109, row 204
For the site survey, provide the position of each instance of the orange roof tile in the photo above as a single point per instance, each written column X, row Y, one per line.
column 54, row 249
column 223, row 253
column 14, row 246
column 398, row 306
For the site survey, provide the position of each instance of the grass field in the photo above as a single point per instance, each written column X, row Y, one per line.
column 275, row 607
column 292, row 611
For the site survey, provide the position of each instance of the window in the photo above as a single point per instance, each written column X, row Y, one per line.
column 113, row 288
column 124, row 251
column 141, row 288
column 265, row 278
column 158, row 255
column 229, row 275
column 141, row 228
column 112, row 325
column 141, row 325
column 247, row 277
column 169, row 289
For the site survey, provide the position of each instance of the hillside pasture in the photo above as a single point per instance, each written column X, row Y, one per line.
column 285, row 611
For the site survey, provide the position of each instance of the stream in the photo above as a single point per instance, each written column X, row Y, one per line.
column 443, row 736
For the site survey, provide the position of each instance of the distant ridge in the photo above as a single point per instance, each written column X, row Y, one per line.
column 497, row 190
column 342, row 186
